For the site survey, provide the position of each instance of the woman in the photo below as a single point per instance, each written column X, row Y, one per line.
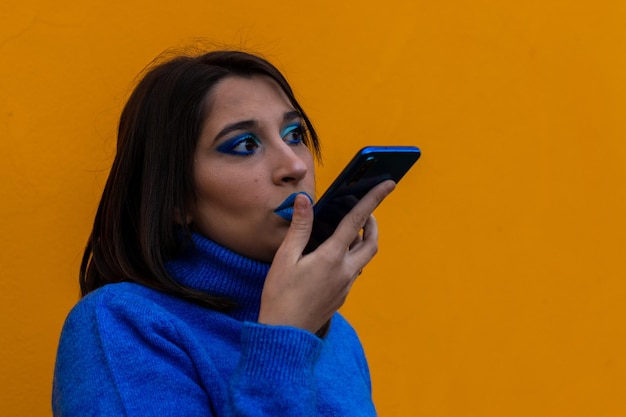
column 197, row 300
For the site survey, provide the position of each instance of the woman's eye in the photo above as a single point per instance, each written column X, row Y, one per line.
column 293, row 134
column 240, row 145
column 245, row 146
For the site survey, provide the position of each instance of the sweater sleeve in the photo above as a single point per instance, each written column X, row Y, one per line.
column 121, row 358
column 115, row 359
column 275, row 376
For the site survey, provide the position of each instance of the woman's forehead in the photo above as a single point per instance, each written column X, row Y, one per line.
column 235, row 92
column 240, row 98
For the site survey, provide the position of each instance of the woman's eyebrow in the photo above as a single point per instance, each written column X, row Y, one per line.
column 291, row 115
column 249, row 124
column 242, row 125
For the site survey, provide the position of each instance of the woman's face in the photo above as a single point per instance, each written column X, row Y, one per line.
column 249, row 159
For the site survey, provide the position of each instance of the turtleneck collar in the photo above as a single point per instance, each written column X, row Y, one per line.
column 214, row 269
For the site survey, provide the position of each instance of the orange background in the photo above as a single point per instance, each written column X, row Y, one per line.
column 500, row 286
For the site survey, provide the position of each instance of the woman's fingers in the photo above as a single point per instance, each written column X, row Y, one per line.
column 368, row 235
column 299, row 230
column 356, row 220
column 305, row 291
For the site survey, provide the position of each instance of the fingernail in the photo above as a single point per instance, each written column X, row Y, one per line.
column 302, row 203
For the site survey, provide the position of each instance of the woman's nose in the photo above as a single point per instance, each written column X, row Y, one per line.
column 290, row 166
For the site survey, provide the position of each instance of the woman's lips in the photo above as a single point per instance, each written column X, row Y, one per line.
column 285, row 210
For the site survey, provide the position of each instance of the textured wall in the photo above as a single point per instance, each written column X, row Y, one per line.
column 499, row 287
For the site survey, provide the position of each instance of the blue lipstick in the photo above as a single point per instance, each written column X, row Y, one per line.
column 285, row 210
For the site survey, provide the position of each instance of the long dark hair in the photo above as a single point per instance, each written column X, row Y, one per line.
column 151, row 181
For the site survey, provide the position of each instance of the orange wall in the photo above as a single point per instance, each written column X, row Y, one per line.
column 499, row 289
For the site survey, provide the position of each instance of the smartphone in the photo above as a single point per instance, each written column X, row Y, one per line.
column 369, row 167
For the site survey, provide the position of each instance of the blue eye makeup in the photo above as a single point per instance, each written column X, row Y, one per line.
column 248, row 143
column 245, row 144
column 293, row 134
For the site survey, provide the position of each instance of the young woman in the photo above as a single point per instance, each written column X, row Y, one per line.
column 197, row 300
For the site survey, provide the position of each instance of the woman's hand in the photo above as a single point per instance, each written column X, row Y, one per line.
column 305, row 291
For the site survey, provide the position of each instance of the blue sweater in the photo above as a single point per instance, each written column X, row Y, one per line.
column 127, row 350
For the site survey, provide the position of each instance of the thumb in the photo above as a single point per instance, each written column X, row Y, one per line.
column 301, row 224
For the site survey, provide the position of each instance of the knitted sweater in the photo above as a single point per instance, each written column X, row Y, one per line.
column 127, row 350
